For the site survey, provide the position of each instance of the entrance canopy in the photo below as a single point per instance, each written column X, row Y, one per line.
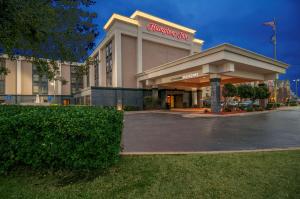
column 227, row 62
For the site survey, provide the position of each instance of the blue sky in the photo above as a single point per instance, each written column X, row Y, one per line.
column 238, row 22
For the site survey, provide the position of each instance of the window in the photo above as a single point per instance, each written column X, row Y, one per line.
column 2, row 78
column 39, row 84
column 109, row 63
column 96, row 70
column 76, row 82
column 88, row 79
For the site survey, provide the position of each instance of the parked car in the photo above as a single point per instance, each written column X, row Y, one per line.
column 245, row 104
column 256, row 103
column 233, row 103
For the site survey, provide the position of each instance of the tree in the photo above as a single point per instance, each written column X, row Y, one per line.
column 50, row 29
column 245, row 91
column 261, row 93
column 3, row 71
column 229, row 90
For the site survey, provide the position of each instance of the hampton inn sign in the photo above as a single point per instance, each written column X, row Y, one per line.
column 143, row 55
column 167, row 31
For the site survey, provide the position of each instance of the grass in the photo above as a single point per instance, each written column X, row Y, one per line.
column 240, row 175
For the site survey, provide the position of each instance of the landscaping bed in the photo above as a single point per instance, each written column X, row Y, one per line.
column 238, row 175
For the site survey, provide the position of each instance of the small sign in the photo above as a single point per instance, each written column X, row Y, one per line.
column 49, row 98
column 190, row 76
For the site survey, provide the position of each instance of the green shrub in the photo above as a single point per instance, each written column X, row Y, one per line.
column 249, row 109
column 151, row 103
column 272, row 105
column 259, row 108
column 59, row 137
column 131, row 108
column 293, row 103
column 227, row 109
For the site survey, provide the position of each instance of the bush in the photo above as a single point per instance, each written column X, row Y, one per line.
column 227, row 109
column 131, row 108
column 259, row 108
column 272, row 105
column 59, row 137
column 249, row 109
column 151, row 103
column 293, row 103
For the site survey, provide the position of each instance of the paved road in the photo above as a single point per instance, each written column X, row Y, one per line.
column 161, row 132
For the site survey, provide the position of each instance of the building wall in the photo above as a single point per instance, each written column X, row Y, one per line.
column 129, row 61
column 155, row 54
column 11, row 78
column 26, row 78
column 66, row 73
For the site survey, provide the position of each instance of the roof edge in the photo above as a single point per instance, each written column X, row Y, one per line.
column 118, row 17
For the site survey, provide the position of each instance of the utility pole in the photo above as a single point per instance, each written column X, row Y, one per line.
column 296, row 81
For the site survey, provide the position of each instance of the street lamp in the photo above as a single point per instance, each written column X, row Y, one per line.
column 296, row 81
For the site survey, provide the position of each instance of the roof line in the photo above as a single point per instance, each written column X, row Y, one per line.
column 215, row 49
column 120, row 18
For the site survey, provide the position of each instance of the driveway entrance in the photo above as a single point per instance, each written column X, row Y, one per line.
column 171, row 132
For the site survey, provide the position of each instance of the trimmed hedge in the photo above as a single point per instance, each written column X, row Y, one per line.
column 59, row 137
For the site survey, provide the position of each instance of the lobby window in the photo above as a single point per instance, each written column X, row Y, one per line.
column 2, row 78
column 96, row 70
column 109, row 63
column 39, row 84
column 76, row 83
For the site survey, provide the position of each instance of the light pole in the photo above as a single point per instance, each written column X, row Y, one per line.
column 296, row 81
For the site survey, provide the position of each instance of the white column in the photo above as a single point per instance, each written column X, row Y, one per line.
column 140, row 50
column 99, row 68
column 19, row 77
column 92, row 75
column 117, row 69
column 194, row 97
column 59, row 84
column 139, row 53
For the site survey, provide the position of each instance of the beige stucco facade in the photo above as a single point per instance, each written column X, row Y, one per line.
column 19, row 80
column 137, row 48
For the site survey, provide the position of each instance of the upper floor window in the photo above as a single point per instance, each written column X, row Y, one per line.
column 76, row 81
column 109, row 64
column 39, row 84
column 96, row 70
column 2, row 78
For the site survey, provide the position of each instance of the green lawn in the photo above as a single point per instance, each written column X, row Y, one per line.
column 243, row 175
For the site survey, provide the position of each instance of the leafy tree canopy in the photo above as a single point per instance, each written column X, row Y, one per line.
column 52, row 29
column 245, row 91
column 229, row 90
column 261, row 92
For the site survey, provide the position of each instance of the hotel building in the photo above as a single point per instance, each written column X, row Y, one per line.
column 143, row 55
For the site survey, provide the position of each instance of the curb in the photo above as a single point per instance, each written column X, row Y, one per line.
column 202, row 115
column 208, row 152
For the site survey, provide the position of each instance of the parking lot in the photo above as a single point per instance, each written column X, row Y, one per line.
column 166, row 132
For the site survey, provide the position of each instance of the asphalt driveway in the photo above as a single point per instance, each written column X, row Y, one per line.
column 161, row 132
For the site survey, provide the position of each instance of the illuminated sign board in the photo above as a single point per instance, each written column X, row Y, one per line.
column 167, row 31
column 190, row 76
column 187, row 76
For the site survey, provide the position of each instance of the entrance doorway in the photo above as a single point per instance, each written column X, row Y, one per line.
column 175, row 101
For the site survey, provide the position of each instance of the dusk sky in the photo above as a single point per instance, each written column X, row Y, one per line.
column 238, row 22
